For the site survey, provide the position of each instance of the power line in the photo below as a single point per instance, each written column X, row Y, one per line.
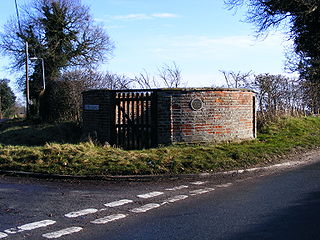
column 18, row 16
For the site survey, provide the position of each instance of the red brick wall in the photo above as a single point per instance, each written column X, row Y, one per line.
column 226, row 115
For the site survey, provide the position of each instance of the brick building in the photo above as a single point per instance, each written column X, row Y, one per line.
column 148, row 118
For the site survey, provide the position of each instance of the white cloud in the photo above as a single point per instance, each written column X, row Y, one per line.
column 165, row 15
column 209, row 47
column 142, row 16
column 241, row 41
column 132, row 17
column 99, row 20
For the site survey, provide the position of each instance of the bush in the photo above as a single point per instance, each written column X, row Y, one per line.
column 62, row 101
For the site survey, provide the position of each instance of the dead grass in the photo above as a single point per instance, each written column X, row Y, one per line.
column 276, row 140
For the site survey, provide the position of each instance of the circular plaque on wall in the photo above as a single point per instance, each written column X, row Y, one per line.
column 196, row 104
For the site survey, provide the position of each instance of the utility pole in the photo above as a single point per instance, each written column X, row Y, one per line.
column 27, row 81
column 0, row 107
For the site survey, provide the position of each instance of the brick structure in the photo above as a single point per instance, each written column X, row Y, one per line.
column 197, row 115
column 97, row 106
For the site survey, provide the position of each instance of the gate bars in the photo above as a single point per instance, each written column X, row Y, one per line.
column 135, row 119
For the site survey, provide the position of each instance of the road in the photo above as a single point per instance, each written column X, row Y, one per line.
column 259, row 205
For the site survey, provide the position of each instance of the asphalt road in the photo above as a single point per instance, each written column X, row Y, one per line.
column 261, row 205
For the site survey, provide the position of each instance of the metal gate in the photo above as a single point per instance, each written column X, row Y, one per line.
column 135, row 121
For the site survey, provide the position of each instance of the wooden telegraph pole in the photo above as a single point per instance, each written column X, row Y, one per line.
column 27, row 81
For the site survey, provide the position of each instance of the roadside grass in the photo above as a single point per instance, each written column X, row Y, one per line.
column 63, row 155
column 28, row 133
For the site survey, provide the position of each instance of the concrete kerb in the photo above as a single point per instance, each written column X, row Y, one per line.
column 278, row 166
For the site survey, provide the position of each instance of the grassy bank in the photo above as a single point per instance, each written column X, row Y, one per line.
column 278, row 139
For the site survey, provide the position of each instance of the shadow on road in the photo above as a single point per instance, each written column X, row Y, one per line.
column 300, row 221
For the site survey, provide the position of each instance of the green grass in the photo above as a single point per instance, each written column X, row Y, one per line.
column 286, row 136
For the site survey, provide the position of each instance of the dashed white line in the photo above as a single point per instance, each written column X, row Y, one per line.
column 109, row 218
column 150, row 195
column 175, row 199
column 118, row 203
column 223, row 185
column 12, row 230
column 241, row 180
column 252, row 169
column 145, row 208
column 81, row 213
column 30, row 226
column 198, row 183
column 63, row 232
column 177, row 188
column 3, row 235
column 201, row 191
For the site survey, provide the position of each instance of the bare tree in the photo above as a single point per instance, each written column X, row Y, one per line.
column 300, row 19
column 62, row 32
column 236, row 79
column 171, row 75
column 145, row 81
column 116, row 81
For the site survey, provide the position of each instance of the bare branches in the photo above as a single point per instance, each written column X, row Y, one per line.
column 60, row 31
column 145, row 81
column 236, row 79
column 116, row 81
column 170, row 77
column 91, row 79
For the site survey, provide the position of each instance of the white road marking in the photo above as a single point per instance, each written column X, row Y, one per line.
column 30, row 226
column 81, row 213
column 63, row 232
column 145, row 208
column 177, row 188
column 175, row 199
column 240, row 180
column 198, row 183
column 118, row 203
column 3, row 235
column 107, row 219
column 224, row 185
column 12, row 230
column 150, row 195
column 201, row 191
column 252, row 169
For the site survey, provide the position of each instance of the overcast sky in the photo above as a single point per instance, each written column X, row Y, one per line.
column 201, row 37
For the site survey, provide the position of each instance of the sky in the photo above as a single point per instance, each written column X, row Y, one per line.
column 202, row 37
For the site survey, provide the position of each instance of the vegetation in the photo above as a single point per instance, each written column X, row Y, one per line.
column 62, row 33
column 287, row 135
column 7, row 99
column 300, row 19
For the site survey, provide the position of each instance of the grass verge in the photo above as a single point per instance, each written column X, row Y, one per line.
column 276, row 140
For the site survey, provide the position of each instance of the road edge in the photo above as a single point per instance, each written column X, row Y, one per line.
column 305, row 158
